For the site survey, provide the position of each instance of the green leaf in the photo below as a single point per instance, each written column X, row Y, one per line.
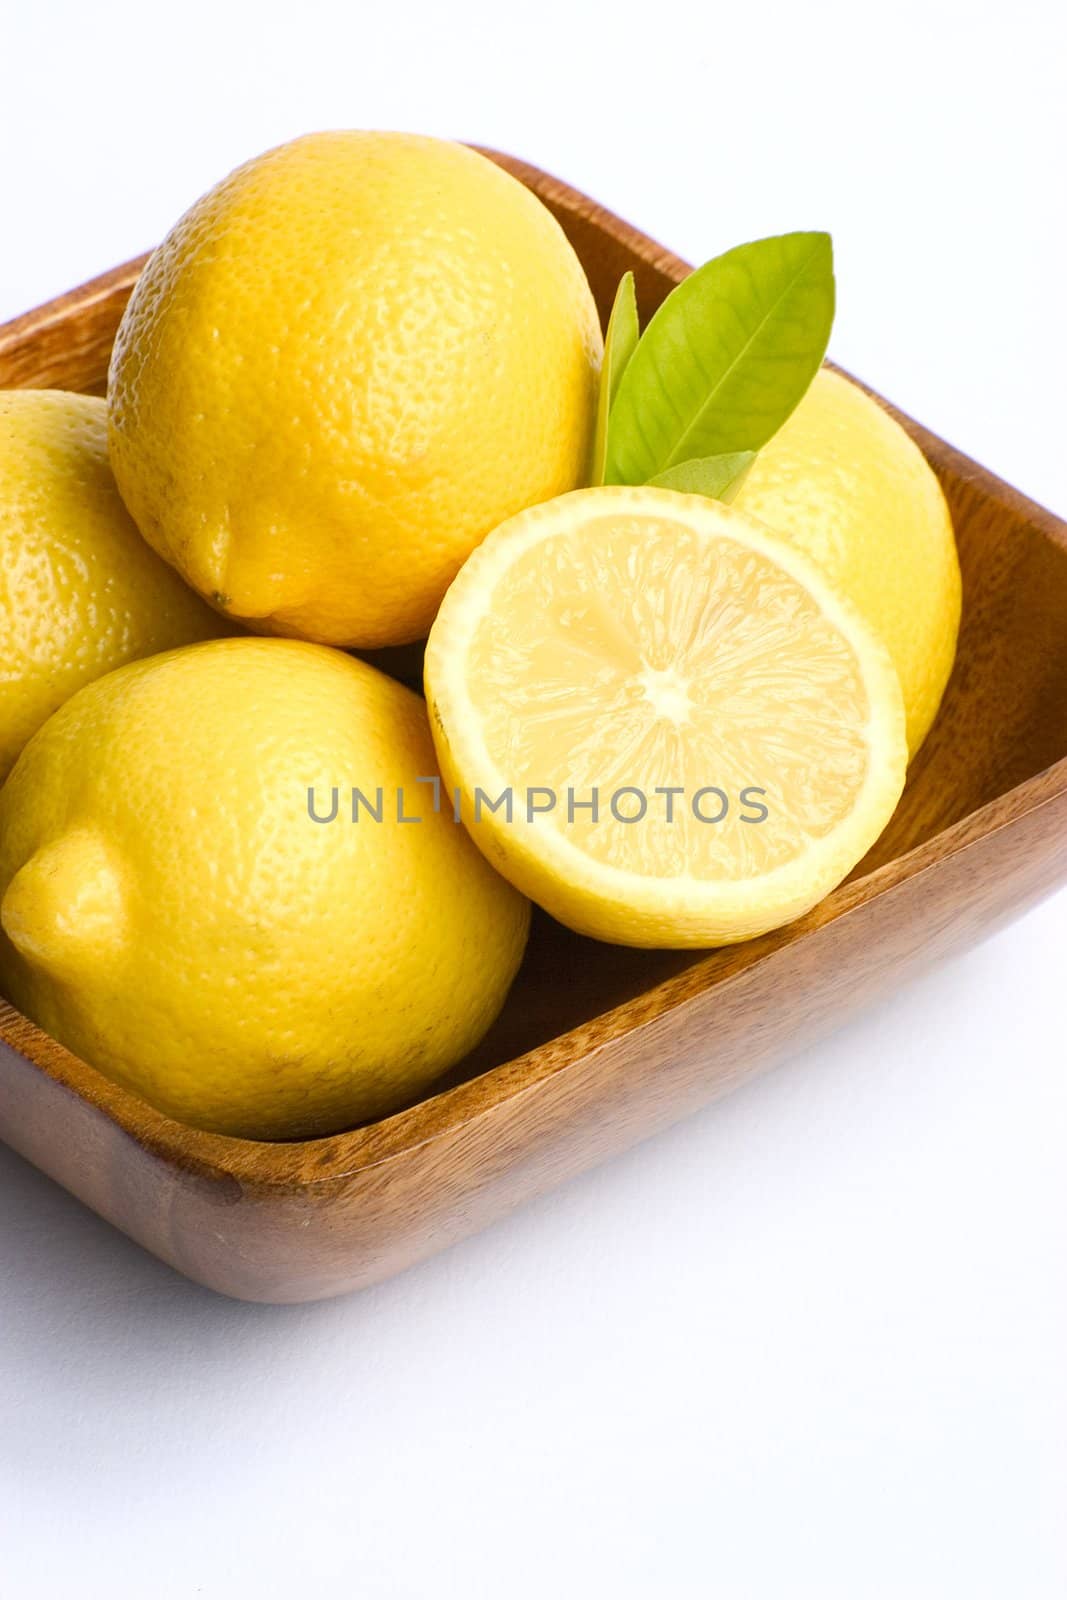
column 717, row 477
column 726, row 358
column 620, row 341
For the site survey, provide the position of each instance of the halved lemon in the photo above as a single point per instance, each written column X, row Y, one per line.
column 660, row 722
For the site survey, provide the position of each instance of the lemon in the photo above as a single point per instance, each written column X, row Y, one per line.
column 342, row 368
column 173, row 914
column 80, row 591
column 845, row 483
column 698, row 735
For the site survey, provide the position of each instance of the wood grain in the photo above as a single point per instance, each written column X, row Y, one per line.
column 597, row 1047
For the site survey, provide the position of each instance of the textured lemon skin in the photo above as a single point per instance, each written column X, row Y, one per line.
column 843, row 482
column 343, row 367
column 172, row 914
column 80, row 591
column 628, row 908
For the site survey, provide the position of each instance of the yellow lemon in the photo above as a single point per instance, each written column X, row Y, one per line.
column 342, row 368
column 80, row 591
column 844, row 482
column 699, row 737
column 187, row 902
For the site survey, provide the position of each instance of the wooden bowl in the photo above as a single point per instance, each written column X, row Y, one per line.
column 597, row 1046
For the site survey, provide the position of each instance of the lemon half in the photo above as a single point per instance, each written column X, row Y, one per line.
column 622, row 643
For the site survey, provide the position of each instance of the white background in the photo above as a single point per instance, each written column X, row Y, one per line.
column 813, row 1342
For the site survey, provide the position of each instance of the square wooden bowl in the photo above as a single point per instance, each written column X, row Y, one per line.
column 597, row 1046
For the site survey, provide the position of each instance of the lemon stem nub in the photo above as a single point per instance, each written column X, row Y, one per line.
column 64, row 909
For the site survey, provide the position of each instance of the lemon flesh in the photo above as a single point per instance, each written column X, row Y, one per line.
column 80, row 591
column 344, row 366
column 843, row 482
column 171, row 912
column 631, row 641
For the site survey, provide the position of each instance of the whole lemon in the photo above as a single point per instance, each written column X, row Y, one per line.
column 187, row 902
column 80, row 591
column 342, row 368
column 844, row 482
